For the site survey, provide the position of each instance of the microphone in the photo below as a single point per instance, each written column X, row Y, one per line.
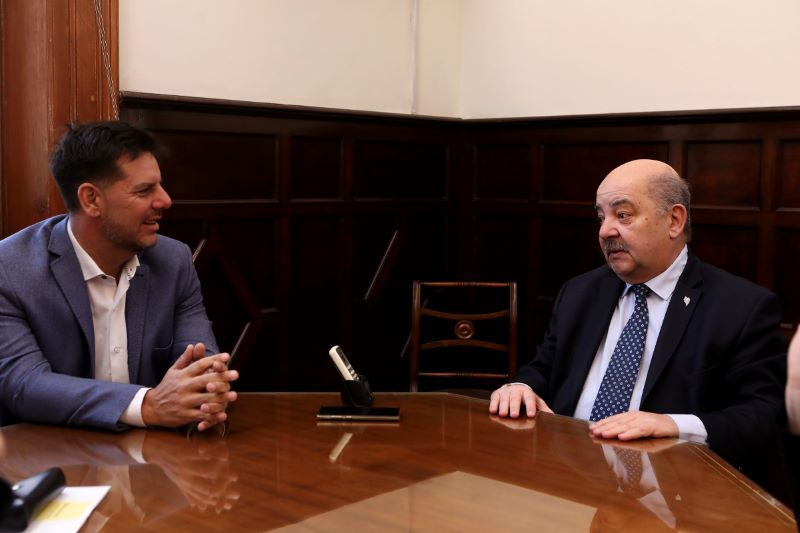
column 19, row 503
column 355, row 387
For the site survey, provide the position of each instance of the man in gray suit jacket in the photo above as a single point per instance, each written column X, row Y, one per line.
column 101, row 319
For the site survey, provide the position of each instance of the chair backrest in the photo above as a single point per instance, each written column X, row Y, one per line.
column 467, row 331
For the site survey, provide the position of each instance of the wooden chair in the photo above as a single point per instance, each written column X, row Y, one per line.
column 468, row 331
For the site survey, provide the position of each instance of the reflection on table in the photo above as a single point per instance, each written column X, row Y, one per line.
column 446, row 465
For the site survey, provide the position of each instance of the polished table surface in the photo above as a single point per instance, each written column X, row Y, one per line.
column 446, row 466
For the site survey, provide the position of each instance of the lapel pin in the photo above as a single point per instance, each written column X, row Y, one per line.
column 686, row 300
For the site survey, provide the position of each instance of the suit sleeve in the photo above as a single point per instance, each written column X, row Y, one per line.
column 537, row 372
column 31, row 391
column 191, row 321
column 749, row 390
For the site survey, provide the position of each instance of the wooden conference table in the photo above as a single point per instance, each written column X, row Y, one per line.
column 446, row 466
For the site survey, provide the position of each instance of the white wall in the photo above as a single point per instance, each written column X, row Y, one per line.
column 539, row 57
column 350, row 54
column 474, row 58
column 438, row 86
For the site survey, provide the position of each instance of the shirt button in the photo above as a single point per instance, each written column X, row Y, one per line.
column 117, row 349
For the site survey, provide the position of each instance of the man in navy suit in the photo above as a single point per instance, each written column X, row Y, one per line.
column 703, row 360
column 101, row 319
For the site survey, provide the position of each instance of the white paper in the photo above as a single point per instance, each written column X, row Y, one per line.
column 68, row 511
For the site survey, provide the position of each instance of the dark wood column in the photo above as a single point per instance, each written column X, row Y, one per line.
column 52, row 74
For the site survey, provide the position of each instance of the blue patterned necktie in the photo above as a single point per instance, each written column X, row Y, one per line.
column 614, row 395
column 632, row 462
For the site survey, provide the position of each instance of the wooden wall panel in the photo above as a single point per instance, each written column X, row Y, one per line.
column 375, row 237
column 327, row 235
column 52, row 74
column 396, row 169
column 316, row 169
column 572, row 171
column 501, row 247
column 224, row 166
column 724, row 174
column 569, row 247
column 503, row 171
column 733, row 248
column 316, row 256
column 789, row 175
column 312, row 225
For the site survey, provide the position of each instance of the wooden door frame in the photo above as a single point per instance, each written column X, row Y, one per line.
column 51, row 74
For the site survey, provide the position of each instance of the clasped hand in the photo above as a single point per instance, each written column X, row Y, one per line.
column 201, row 468
column 195, row 389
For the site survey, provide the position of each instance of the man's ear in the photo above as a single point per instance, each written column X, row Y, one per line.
column 677, row 221
column 90, row 198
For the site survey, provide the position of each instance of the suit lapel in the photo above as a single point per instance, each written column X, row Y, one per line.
column 135, row 312
column 597, row 320
column 681, row 307
column 67, row 272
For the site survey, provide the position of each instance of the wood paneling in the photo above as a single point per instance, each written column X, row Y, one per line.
column 315, row 222
column 224, row 166
column 789, row 175
column 395, row 169
column 51, row 75
column 316, row 168
column 313, row 226
column 724, row 174
column 569, row 247
column 315, row 319
column 572, row 171
column 733, row 248
column 501, row 247
column 503, row 171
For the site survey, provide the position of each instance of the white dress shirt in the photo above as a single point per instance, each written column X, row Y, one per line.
column 107, row 300
column 661, row 289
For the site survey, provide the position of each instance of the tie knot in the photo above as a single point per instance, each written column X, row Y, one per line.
column 641, row 290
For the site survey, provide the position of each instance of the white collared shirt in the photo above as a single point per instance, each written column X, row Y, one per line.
column 661, row 287
column 107, row 299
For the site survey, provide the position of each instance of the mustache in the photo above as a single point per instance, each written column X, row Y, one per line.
column 615, row 245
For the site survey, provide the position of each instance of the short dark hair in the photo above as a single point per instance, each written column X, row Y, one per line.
column 89, row 153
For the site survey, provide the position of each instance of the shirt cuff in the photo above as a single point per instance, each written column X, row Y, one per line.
column 690, row 428
column 133, row 414
column 132, row 443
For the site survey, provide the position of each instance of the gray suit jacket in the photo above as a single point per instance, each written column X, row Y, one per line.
column 47, row 338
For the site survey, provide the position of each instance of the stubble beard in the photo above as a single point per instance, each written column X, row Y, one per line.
column 117, row 234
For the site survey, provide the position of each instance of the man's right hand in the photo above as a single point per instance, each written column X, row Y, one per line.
column 507, row 400
column 196, row 388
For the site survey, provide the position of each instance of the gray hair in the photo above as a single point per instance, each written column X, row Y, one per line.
column 669, row 189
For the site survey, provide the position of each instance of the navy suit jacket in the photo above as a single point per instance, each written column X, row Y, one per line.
column 47, row 338
column 720, row 357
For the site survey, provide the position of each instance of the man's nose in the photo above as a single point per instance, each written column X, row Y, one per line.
column 163, row 201
column 608, row 229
